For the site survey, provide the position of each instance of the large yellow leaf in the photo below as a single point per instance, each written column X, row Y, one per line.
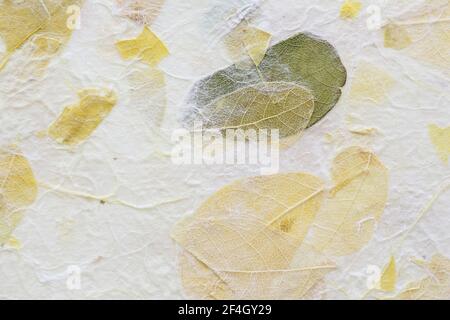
column 44, row 23
column 388, row 279
column 440, row 137
column 247, row 41
column 425, row 36
column 352, row 207
column 242, row 241
column 261, row 237
column 18, row 189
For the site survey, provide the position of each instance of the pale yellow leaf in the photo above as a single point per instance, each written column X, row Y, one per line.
column 436, row 286
column 388, row 279
column 43, row 23
column 396, row 37
column 77, row 122
column 424, row 36
column 352, row 207
column 147, row 47
column 18, row 190
column 246, row 41
column 440, row 137
column 370, row 83
column 245, row 238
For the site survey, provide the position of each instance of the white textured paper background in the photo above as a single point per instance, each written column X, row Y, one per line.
column 125, row 251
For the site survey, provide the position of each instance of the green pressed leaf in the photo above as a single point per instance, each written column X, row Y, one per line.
column 303, row 60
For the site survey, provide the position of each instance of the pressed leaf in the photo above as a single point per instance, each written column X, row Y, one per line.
column 141, row 11
column 245, row 41
column 18, row 189
column 396, row 37
column 302, row 59
column 424, row 36
column 77, row 122
column 146, row 47
column 263, row 106
column 262, row 237
column 352, row 207
column 370, row 83
column 44, row 23
column 440, row 137
column 436, row 286
column 389, row 276
column 242, row 241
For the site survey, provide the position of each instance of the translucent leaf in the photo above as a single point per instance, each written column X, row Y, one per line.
column 77, row 122
column 18, row 189
column 370, row 84
column 352, row 207
column 389, row 276
column 262, row 237
column 147, row 47
column 266, row 105
column 303, row 60
column 350, row 9
column 242, row 241
column 436, row 286
column 44, row 23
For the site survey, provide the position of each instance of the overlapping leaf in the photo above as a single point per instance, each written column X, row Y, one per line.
column 434, row 286
column 302, row 60
column 77, row 122
column 258, row 237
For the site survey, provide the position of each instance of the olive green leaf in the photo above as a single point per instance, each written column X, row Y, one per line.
column 276, row 93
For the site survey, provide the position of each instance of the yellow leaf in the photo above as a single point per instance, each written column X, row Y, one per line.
column 246, row 41
column 396, row 37
column 44, row 23
column 436, row 286
column 242, row 241
column 440, row 137
column 389, row 276
column 424, row 36
column 371, row 84
column 261, row 237
column 146, row 47
column 77, row 122
column 350, row 9
column 14, row 243
column 18, row 189
column 352, row 207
